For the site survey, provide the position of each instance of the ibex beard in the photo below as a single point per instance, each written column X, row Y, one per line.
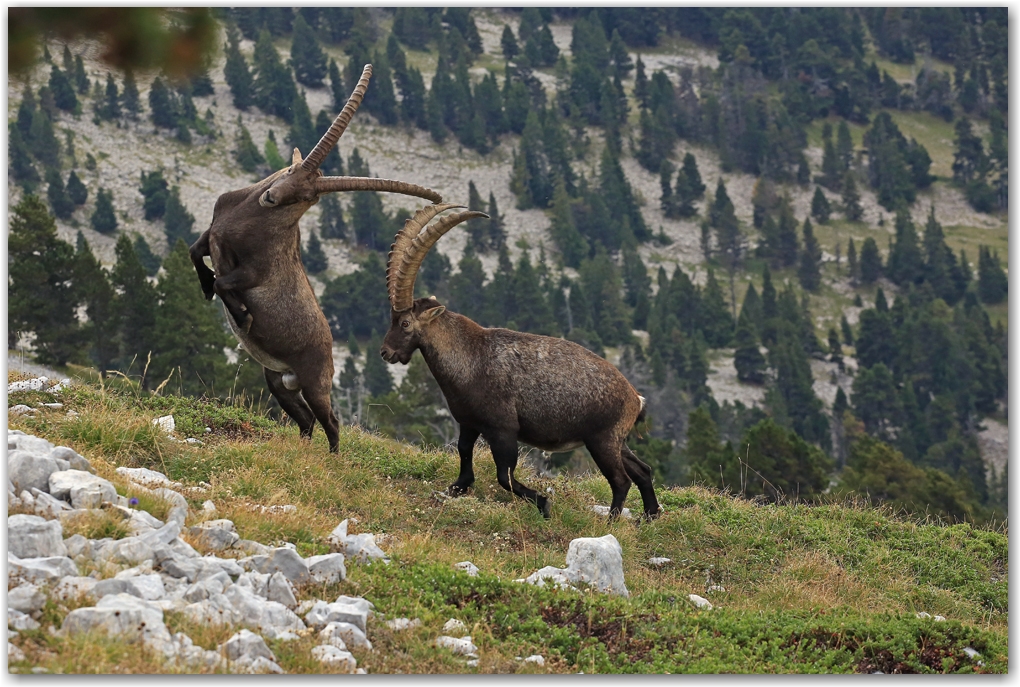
column 509, row 386
column 254, row 244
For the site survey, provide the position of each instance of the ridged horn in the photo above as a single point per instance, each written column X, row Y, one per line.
column 339, row 125
column 410, row 248
column 334, row 184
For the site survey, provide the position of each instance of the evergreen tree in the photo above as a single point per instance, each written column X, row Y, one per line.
column 411, row 26
column 372, row 226
column 62, row 205
column 383, row 103
column 336, row 87
column 42, row 141
column 638, row 287
column 313, row 257
column 273, row 87
column 831, row 167
column 531, row 311
column 149, row 260
column 573, row 247
column 378, row 379
column 93, row 284
column 26, row 110
column 155, row 191
column 81, row 80
column 21, row 167
column 835, row 349
column 848, row 334
column 809, row 269
column 178, row 222
column 111, row 106
column 602, row 285
column 704, row 450
column 63, row 92
column 163, row 105
column 306, row 56
column 189, row 330
column 467, row 296
column 272, row 152
column 201, row 83
column 853, row 270
column 76, row 190
column 236, row 71
column 331, row 219
column 844, row 147
column 993, row 286
column 784, row 464
column 786, row 248
column 508, row 43
column 40, row 296
column 618, row 196
column 246, row 153
column 747, row 358
column 852, row 209
column 104, row 219
column 530, row 179
column 820, row 209
column 131, row 102
column 904, row 264
column 751, row 309
column 302, row 134
column 496, row 233
column 871, row 261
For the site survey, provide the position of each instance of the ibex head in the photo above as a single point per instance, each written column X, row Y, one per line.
column 303, row 181
column 409, row 318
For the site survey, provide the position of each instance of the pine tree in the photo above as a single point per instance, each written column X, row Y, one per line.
column 820, row 209
column 786, row 249
column 531, row 309
column 716, row 318
column 274, row 89
column 149, row 260
column 189, row 331
column 40, row 297
column 831, row 167
column 508, row 43
column 246, row 153
column 871, row 261
column 63, row 92
column 993, row 287
column 236, row 71
column 844, row 147
column 751, row 308
column 104, row 219
column 853, row 270
column 178, row 222
column 163, row 105
column 62, row 205
column 573, row 247
column 21, row 167
column 111, row 106
column 530, row 180
column 835, row 349
column 130, row 100
column 135, row 309
column 852, row 209
column 200, row 82
column 155, row 191
column 313, row 257
column 76, row 190
column 273, row 157
column 81, row 80
column 306, row 56
column 848, row 334
column 331, row 219
column 371, row 224
column 905, row 264
column 496, row 233
column 42, row 141
column 336, row 87
column 302, row 134
column 809, row 270
column 747, row 358
column 93, row 284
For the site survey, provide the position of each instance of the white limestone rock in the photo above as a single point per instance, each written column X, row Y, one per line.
column 75, row 460
column 122, row 615
column 30, row 536
column 245, row 644
column 327, row 569
column 335, row 657
column 596, row 561
column 20, row 621
column 468, row 567
column 27, row 470
column 400, row 624
column 352, row 635
column 280, row 589
column 81, row 488
column 455, row 627
column 27, row 598
column 39, row 569
column 700, row 601
column 463, row 646
column 322, row 614
column 282, row 559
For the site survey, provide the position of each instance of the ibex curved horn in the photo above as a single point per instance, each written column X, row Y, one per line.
column 410, row 248
column 339, row 125
column 332, row 184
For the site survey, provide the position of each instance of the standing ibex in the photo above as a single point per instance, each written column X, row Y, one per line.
column 255, row 246
column 510, row 386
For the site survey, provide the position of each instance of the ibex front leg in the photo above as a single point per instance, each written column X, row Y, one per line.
column 228, row 286
column 466, row 449
column 199, row 249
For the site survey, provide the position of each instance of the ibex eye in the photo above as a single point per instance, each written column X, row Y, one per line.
column 405, row 324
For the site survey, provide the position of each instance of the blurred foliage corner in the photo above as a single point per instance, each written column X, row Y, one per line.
column 176, row 40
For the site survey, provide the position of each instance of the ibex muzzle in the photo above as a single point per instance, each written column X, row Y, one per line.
column 254, row 243
column 510, row 386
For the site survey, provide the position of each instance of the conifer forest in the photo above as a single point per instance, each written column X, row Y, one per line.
column 786, row 226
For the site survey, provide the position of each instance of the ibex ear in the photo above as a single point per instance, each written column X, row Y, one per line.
column 296, row 158
column 431, row 314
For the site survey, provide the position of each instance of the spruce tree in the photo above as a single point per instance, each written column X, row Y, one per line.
column 383, row 103
column 274, row 89
column 820, row 209
column 76, row 190
column 336, row 87
column 786, row 249
column 378, row 379
column 835, row 349
column 236, row 71
column 246, row 153
column 870, row 262
column 40, row 296
column 150, row 261
column 111, row 106
column 747, row 358
column 852, row 209
column 331, row 219
column 809, row 269
column 302, row 134
column 104, row 219
column 61, row 204
column 993, row 287
column 751, row 308
column 163, row 105
column 189, row 331
column 306, row 56
column 848, row 333
column 201, row 83
column 26, row 110
column 905, row 264
column 130, row 100
column 573, row 247
column 508, row 43
column 496, row 233
column 178, row 222
column 831, row 167
column 531, row 309
column 63, row 92
column 43, row 142
column 21, row 167
column 155, row 191
column 273, row 157
column 93, row 284
column 476, row 228
column 135, row 309
column 81, row 80
column 853, row 269
column 844, row 147
column 313, row 257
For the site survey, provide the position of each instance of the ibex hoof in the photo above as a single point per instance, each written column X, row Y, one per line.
column 457, row 489
column 544, row 507
column 652, row 515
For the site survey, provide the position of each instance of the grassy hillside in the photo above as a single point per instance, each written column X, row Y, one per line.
column 830, row 588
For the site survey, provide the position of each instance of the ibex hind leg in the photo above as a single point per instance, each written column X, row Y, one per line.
column 291, row 402
column 504, row 452
column 605, row 451
column 641, row 474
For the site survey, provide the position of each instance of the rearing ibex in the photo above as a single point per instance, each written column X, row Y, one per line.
column 510, row 386
column 254, row 242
